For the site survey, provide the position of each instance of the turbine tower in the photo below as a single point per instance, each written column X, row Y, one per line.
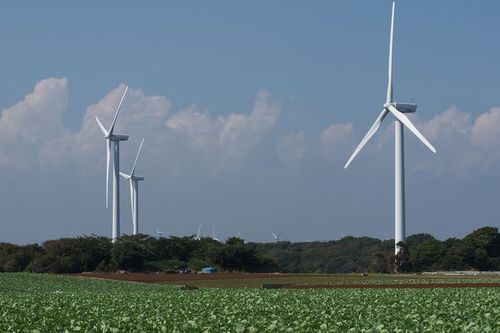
column 134, row 192
column 398, row 110
column 113, row 140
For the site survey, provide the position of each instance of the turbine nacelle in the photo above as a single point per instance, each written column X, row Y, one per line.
column 133, row 177
column 117, row 137
column 402, row 107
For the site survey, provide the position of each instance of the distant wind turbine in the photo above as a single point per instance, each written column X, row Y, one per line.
column 134, row 191
column 213, row 235
column 276, row 236
column 198, row 234
column 114, row 139
column 159, row 234
column 398, row 110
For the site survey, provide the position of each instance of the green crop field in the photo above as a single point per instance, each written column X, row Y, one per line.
column 47, row 303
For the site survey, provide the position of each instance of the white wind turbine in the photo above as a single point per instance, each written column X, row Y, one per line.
column 276, row 236
column 159, row 233
column 134, row 191
column 114, row 139
column 398, row 110
column 198, row 234
column 213, row 235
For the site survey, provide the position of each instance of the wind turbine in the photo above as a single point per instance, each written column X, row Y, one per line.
column 114, row 140
column 213, row 235
column 158, row 233
column 276, row 237
column 134, row 191
column 398, row 110
column 197, row 237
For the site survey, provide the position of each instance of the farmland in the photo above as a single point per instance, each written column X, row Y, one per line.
column 49, row 303
column 256, row 280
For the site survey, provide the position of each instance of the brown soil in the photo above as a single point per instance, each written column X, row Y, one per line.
column 265, row 277
column 162, row 277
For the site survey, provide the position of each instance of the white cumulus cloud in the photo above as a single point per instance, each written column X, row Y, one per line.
column 291, row 147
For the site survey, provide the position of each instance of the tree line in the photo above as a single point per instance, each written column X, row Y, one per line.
column 479, row 250
column 136, row 253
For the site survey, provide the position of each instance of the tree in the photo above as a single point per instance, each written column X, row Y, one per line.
column 129, row 253
column 426, row 256
column 379, row 263
column 402, row 259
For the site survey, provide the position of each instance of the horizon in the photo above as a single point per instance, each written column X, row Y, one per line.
column 224, row 240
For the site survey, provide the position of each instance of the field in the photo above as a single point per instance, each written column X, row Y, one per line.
column 49, row 303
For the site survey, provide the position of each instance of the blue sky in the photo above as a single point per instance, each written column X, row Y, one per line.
column 320, row 64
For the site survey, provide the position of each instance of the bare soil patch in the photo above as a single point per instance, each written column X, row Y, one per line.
column 291, row 281
column 162, row 277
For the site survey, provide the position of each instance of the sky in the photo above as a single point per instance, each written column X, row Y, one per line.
column 249, row 113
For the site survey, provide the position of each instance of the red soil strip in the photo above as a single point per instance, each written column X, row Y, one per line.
column 394, row 286
column 157, row 278
column 162, row 277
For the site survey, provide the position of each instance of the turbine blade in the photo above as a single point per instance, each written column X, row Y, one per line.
column 391, row 46
column 272, row 233
column 406, row 121
column 108, row 161
column 103, row 129
column 137, row 157
column 199, row 230
column 368, row 135
column 117, row 111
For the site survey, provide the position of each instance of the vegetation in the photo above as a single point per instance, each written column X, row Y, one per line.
column 479, row 250
column 51, row 303
column 132, row 253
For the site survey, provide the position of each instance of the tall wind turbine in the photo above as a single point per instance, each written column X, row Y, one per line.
column 134, row 191
column 114, row 140
column 398, row 110
column 276, row 236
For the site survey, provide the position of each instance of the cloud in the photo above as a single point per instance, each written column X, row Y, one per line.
column 32, row 134
column 31, row 131
column 195, row 125
column 228, row 137
column 485, row 133
column 336, row 140
column 291, row 147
